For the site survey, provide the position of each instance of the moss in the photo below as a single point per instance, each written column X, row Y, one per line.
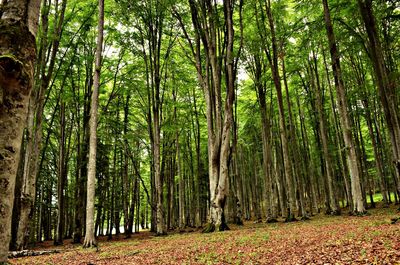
column 17, row 32
column 10, row 57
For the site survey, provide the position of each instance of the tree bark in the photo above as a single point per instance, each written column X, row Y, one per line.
column 125, row 180
column 18, row 24
column 35, row 119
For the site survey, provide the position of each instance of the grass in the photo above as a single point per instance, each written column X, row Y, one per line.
column 377, row 197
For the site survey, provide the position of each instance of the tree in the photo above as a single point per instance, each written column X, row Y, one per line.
column 90, row 240
column 351, row 155
column 18, row 25
column 386, row 83
column 205, row 19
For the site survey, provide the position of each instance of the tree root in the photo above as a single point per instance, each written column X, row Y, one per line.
column 304, row 218
column 90, row 243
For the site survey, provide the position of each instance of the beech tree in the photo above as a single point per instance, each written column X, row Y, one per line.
column 219, row 117
column 351, row 155
column 90, row 240
column 18, row 24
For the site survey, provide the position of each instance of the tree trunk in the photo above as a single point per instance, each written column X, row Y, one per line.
column 125, row 180
column 266, row 141
column 351, row 154
column 90, row 240
column 35, row 118
column 218, row 122
column 18, row 24
column 182, row 216
column 282, row 121
column 58, row 240
column 377, row 154
column 339, row 139
column 387, row 84
column 333, row 203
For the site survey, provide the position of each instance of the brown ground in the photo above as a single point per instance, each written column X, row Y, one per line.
column 322, row 240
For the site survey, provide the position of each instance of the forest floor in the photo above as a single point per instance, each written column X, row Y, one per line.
column 342, row 239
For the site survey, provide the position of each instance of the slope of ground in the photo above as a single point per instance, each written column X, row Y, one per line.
column 321, row 240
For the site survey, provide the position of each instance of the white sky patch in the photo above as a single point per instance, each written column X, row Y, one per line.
column 111, row 51
column 242, row 75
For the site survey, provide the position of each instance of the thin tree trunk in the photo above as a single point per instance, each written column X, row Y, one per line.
column 90, row 240
column 282, row 121
column 182, row 216
column 333, row 203
column 58, row 240
column 351, row 153
column 125, row 181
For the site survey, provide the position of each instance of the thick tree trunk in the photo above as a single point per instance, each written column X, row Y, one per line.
column 339, row 139
column 351, row 153
column 90, row 240
column 18, row 24
column 35, row 118
column 218, row 122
